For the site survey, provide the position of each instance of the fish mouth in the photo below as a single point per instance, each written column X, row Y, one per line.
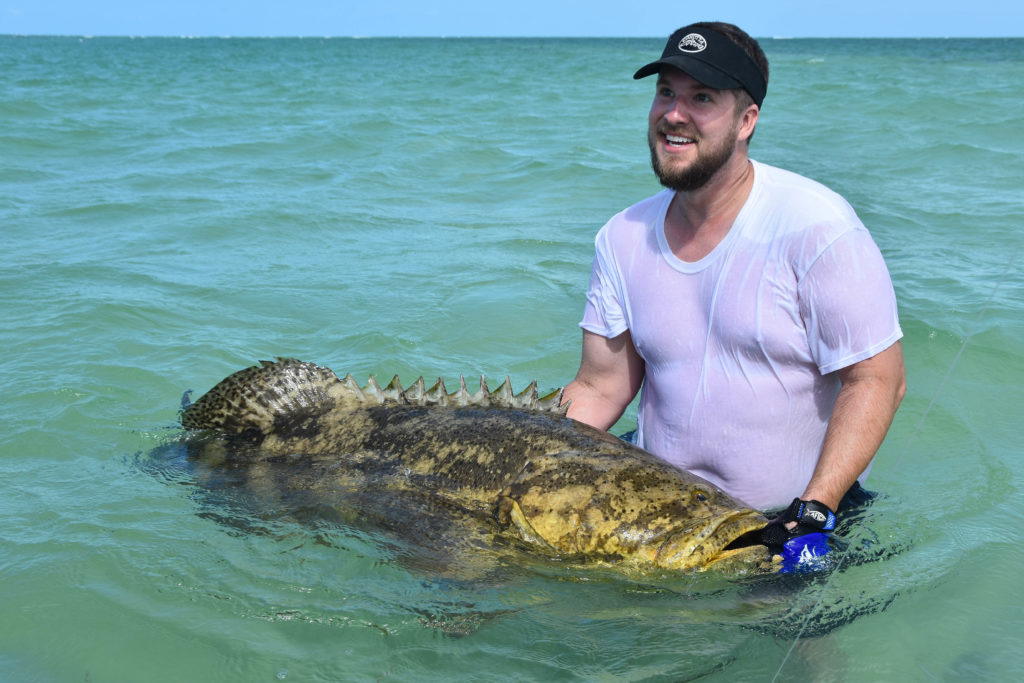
column 731, row 542
column 746, row 540
column 745, row 546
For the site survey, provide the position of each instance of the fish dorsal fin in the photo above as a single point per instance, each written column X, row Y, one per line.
column 438, row 395
column 257, row 397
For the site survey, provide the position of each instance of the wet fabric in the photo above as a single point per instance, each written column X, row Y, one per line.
column 740, row 347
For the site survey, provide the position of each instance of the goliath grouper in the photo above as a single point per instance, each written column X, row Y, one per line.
column 467, row 470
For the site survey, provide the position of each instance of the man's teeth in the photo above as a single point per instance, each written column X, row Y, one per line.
column 677, row 140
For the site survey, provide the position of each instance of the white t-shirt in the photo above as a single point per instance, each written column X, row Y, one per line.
column 741, row 347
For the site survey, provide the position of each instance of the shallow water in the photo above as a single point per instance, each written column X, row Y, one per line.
column 174, row 210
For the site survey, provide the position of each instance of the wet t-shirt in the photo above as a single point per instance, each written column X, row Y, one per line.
column 741, row 347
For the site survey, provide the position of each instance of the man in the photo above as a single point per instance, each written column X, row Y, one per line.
column 750, row 303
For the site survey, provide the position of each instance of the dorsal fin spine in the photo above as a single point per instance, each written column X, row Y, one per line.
column 461, row 396
column 394, row 391
column 416, row 394
column 527, row 398
column 372, row 389
column 437, row 394
column 553, row 402
column 482, row 397
column 352, row 387
column 502, row 396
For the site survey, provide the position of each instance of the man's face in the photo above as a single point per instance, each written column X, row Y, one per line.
column 692, row 130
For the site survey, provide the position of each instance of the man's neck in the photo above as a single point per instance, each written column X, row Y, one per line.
column 697, row 221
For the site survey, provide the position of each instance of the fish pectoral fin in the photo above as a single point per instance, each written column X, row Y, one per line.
column 511, row 517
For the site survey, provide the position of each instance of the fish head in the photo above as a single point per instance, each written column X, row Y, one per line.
column 636, row 511
column 685, row 523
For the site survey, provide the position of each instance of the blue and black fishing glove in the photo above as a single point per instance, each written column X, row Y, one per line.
column 803, row 548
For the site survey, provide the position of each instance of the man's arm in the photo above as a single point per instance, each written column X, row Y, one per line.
column 870, row 394
column 610, row 374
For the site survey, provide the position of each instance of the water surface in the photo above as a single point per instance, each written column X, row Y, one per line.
column 174, row 210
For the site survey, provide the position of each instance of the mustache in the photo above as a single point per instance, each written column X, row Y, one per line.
column 679, row 131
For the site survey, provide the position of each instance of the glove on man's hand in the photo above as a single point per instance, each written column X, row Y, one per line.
column 805, row 544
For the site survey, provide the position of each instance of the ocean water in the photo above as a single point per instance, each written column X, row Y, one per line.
column 173, row 210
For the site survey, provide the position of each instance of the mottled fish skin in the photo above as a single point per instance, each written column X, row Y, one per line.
column 422, row 459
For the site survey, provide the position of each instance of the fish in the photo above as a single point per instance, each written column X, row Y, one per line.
column 466, row 473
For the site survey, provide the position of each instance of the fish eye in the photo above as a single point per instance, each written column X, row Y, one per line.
column 701, row 496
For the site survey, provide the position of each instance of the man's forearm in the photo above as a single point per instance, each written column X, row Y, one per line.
column 863, row 411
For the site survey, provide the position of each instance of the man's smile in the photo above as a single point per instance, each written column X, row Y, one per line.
column 675, row 137
column 678, row 140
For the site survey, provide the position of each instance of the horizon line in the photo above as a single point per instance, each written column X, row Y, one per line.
column 463, row 37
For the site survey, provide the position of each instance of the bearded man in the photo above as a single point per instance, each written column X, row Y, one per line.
column 748, row 304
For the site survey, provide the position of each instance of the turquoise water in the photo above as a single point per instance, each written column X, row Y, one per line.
column 174, row 210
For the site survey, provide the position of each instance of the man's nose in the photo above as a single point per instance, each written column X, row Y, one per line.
column 677, row 111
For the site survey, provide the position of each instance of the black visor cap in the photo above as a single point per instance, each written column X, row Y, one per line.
column 711, row 58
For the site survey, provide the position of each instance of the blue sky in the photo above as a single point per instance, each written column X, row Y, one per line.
column 626, row 18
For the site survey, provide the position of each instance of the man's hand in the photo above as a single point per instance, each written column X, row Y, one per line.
column 800, row 534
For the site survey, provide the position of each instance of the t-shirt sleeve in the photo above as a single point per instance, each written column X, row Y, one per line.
column 604, row 312
column 847, row 303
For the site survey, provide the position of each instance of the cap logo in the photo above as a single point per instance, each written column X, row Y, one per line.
column 692, row 42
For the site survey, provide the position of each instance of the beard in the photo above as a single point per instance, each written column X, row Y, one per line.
column 697, row 174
